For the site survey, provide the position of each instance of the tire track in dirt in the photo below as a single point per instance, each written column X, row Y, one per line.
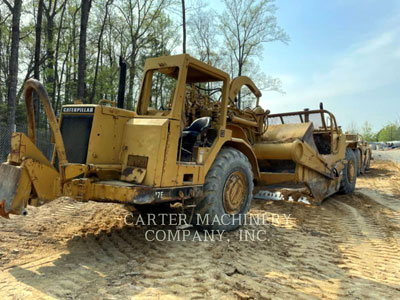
column 315, row 254
column 351, row 244
column 369, row 251
column 345, row 248
column 382, row 184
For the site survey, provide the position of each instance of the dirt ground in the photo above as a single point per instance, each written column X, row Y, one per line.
column 390, row 154
column 348, row 248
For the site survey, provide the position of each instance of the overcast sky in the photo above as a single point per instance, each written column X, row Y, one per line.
column 345, row 53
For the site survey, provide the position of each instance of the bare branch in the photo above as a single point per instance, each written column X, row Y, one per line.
column 9, row 5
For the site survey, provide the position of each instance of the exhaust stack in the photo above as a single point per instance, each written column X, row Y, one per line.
column 122, row 81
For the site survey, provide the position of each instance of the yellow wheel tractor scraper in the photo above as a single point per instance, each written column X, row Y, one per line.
column 187, row 142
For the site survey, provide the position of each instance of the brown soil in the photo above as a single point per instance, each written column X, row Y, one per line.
column 348, row 247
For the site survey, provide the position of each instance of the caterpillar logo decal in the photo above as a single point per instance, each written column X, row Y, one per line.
column 78, row 110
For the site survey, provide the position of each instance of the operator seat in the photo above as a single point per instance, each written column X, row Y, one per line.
column 190, row 134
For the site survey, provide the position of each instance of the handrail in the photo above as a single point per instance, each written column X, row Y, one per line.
column 35, row 85
column 302, row 112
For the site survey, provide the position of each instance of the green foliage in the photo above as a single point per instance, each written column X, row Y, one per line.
column 366, row 132
column 133, row 29
column 390, row 132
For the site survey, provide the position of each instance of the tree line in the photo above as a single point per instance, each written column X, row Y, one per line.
column 389, row 132
column 73, row 47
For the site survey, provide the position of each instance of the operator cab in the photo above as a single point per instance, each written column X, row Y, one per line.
column 194, row 96
column 193, row 132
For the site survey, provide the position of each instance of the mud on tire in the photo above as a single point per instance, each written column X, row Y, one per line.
column 348, row 183
column 357, row 154
column 368, row 164
column 228, row 191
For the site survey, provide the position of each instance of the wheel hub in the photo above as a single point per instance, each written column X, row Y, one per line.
column 351, row 171
column 235, row 192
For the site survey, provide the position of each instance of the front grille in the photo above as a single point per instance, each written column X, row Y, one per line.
column 75, row 130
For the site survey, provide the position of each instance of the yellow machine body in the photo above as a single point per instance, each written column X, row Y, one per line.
column 362, row 150
column 157, row 154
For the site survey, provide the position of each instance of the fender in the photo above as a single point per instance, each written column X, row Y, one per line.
column 246, row 149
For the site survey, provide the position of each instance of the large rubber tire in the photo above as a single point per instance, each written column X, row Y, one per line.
column 368, row 164
column 348, row 183
column 357, row 154
column 230, row 174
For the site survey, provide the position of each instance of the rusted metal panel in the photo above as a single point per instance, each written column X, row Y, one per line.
column 132, row 174
column 127, row 193
column 147, row 138
column 22, row 147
